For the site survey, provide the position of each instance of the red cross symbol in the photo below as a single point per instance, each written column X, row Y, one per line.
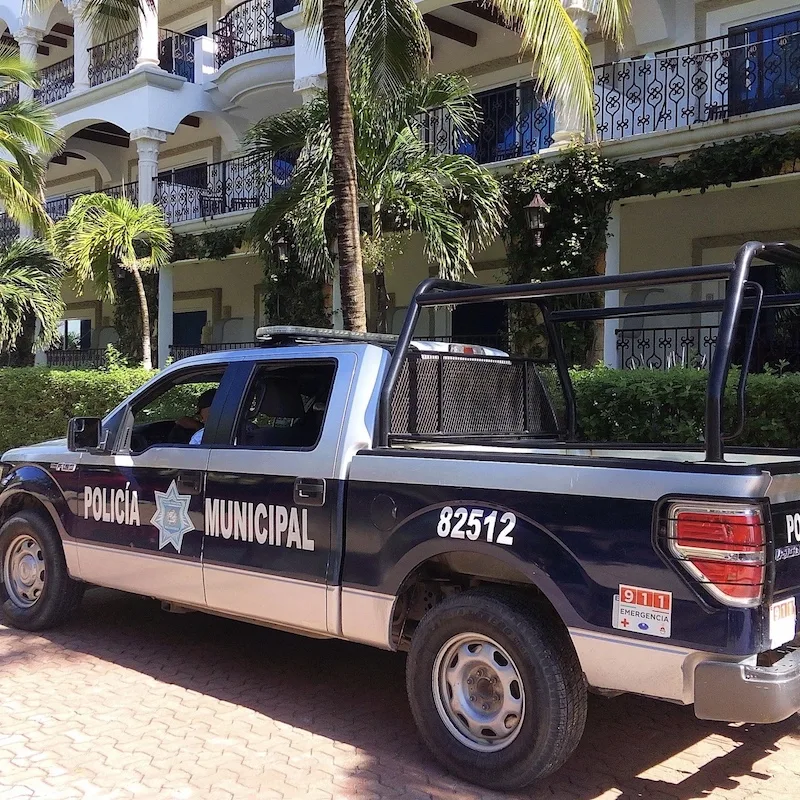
column 624, row 623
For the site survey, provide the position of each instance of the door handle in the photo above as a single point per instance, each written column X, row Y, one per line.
column 309, row 492
column 189, row 482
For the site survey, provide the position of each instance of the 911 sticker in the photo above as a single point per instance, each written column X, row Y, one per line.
column 647, row 611
column 494, row 527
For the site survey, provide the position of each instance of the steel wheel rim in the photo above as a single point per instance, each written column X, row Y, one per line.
column 478, row 692
column 23, row 571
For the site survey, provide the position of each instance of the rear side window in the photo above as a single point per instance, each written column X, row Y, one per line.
column 285, row 405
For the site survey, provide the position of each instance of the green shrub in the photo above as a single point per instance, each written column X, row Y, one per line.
column 639, row 406
column 669, row 406
column 36, row 403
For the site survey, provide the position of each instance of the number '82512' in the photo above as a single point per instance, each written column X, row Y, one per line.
column 477, row 523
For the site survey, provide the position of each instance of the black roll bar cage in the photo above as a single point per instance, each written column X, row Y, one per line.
column 436, row 292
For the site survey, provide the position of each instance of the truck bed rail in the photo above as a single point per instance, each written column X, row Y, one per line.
column 740, row 293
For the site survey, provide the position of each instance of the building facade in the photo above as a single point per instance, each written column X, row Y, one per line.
column 158, row 115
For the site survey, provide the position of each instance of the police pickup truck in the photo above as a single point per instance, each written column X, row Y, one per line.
column 437, row 499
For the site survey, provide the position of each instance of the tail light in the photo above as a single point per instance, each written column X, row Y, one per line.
column 721, row 546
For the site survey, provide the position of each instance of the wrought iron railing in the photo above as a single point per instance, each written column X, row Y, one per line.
column 127, row 190
column 700, row 82
column 209, row 190
column 514, row 123
column 9, row 230
column 56, row 81
column 58, row 207
column 117, row 57
column 9, row 94
column 251, row 26
column 113, row 59
column 176, row 53
column 662, row 348
column 178, row 351
column 94, row 358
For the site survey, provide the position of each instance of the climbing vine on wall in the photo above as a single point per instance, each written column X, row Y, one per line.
column 580, row 188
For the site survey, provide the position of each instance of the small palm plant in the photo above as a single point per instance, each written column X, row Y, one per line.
column 101, row 234
column 403, row 184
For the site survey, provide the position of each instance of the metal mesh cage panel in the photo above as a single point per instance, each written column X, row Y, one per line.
column 440, row 393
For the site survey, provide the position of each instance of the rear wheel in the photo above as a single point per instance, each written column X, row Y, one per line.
column 496, row 691
column 36, row 591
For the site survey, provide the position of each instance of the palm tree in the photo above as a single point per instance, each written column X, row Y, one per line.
column 28, row 138
column 388, row 39
column 101, row 234
column 30, row 293
column 402, row 185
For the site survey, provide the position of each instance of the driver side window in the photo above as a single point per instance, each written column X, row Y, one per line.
column 176, row 410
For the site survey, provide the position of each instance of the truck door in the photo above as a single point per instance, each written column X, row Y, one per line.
column 139, row 510
column 271, row 497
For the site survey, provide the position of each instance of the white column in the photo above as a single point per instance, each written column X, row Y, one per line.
column 309, row 87
column 148, row 35
column 568, row 126
column 28, row 39
column 148, row 143
column 82, row 43
column 611, row 355
column 165, row 308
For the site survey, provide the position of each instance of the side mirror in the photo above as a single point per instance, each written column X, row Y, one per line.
column 84, row 433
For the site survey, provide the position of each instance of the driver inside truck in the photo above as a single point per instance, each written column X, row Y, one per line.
column 198, row 421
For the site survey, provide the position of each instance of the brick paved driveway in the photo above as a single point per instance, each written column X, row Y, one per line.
column 131, row 702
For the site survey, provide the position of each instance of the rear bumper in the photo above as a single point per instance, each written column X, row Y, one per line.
column 732, row 692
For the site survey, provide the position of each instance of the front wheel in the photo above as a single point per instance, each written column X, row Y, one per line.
column 36, row 591
column 496, row 690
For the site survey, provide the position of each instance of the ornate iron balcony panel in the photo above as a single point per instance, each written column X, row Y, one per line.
column 129, row 190
column 94, row 358
column 9, row 95
column 752, row 70
column 252, row 26
column 662, row 348
column 113, row 59
column 176, row 53
column 514, row 123
column 9, row 230
column 209, row 190
column 56, row 81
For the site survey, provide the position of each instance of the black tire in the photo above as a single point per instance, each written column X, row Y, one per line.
column 59, row 595
column 553, row 687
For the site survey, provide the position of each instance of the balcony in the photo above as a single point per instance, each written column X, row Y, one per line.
column 117, row 57
column 9, row 95
column 209, row 190
column 55, row 81
column 252, row 26
column 716, row 79
column 515, row 123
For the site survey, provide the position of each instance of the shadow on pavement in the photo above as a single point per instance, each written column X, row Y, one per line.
column 356, row 695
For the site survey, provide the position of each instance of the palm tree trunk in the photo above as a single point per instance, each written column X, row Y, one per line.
column 345, row 179
column 147, row 358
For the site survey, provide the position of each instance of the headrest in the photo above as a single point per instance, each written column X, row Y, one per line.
column 282, row 398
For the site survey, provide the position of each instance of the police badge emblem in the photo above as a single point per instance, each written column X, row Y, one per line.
column 172, row 517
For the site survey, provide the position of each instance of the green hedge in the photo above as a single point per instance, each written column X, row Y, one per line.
column 624, row 406
column 36, row 403
column 669, row 406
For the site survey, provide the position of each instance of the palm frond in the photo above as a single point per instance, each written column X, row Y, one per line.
column 113, row 18
column 562, row 63
column 30, row 284
column 390, row 46
column 14, row 70
column 613, row 17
